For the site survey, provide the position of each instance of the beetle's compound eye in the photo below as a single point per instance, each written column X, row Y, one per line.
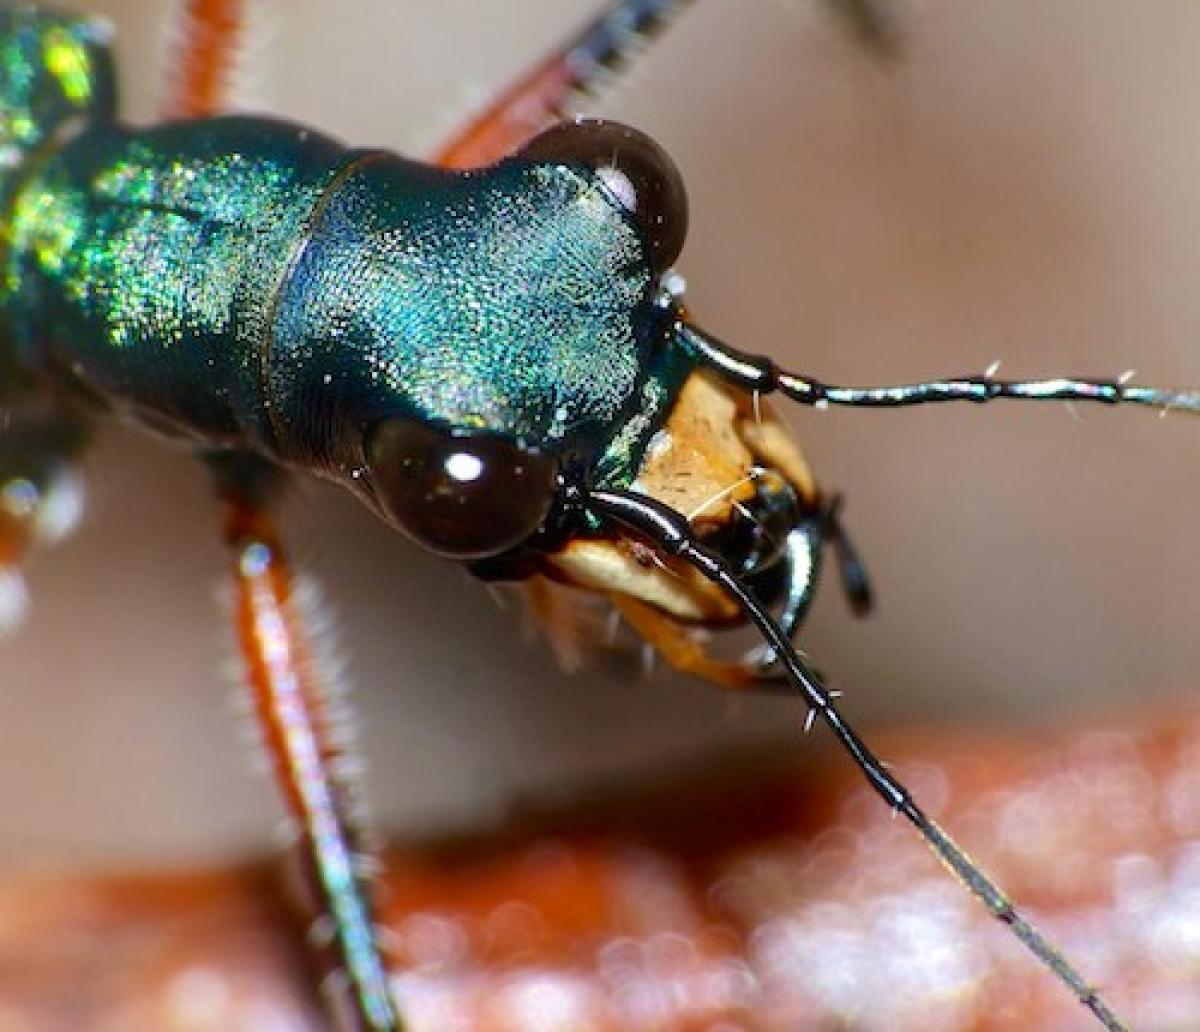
column 634, row 169
column 462, row 497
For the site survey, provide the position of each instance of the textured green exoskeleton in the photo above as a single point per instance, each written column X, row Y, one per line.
column 248, row 283
column 55, row 75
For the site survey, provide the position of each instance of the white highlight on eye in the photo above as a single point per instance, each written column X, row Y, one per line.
column 464, row 467
column 619, row 185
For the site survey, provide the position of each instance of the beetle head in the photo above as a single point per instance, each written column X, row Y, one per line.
column 567, row 369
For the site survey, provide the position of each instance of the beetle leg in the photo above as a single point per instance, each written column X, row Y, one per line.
column 305, row 737
column 584, row 64
column 202, row 58
column 306, row 740
column 551, row 90
column 563, row 617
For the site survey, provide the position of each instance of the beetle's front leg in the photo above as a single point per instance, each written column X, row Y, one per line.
column 307, row 741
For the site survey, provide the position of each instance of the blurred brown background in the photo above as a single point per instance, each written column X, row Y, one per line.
column 1022, row 186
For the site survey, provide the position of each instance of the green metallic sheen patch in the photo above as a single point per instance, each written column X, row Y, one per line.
column 514, row 300
column 67, row 59
column 52, row 67
column 45, row 221
column 147, row 262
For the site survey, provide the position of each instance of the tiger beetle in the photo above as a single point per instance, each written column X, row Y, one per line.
column 496, row 361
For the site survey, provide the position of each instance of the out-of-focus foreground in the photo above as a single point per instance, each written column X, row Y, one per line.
column 772, row 901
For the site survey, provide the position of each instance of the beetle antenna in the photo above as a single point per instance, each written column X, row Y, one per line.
column 671, row 532
column 759, row 373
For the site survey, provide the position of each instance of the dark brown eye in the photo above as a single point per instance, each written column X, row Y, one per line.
column 636, row 171
column 463, row 497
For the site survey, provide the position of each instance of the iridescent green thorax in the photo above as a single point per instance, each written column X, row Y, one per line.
column 247, row 282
